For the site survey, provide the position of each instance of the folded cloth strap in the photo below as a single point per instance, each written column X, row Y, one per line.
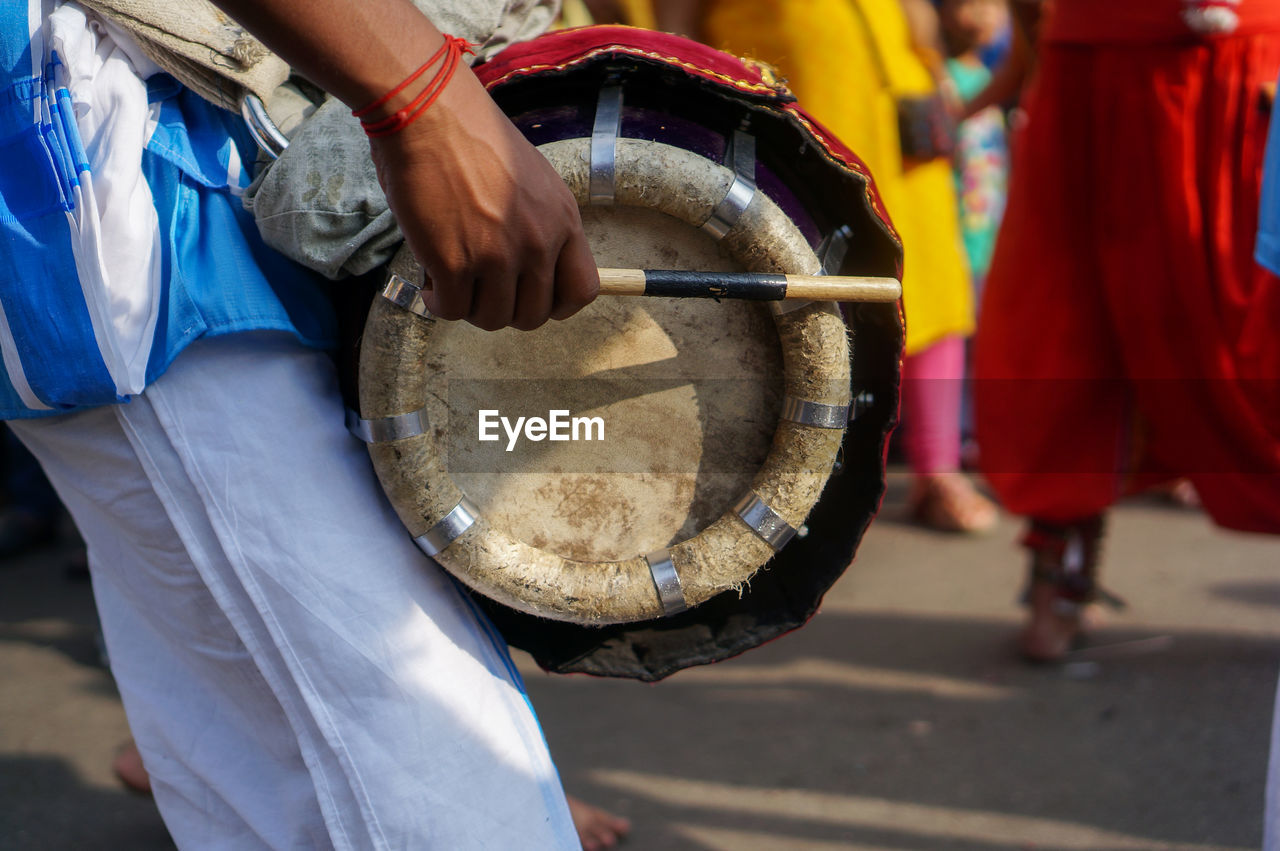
column 320, row 203
column 205, row 49
column 220, row 61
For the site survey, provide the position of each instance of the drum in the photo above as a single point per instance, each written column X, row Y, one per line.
column 653, row 483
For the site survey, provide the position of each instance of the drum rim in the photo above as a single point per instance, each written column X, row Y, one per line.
column 645, row 587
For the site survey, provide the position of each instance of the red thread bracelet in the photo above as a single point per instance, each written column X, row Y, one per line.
column 453, row 50
column 365, row 110
column 403, row 117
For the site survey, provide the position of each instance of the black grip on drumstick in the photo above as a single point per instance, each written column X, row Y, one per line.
column 753, row 286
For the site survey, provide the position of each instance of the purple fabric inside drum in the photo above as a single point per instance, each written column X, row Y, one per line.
column 541, row 126
column 573, row 122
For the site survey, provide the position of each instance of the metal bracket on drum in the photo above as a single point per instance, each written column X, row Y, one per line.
column 386, row 429
column 438, row 538
column 816, row 414
column 604, row 146
column 833, row 249
column 831, row 253
column 741, row 158
column 667, row 581
column 405, row 294
column 764, row 521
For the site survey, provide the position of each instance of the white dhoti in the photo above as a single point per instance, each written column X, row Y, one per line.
column 296, row 672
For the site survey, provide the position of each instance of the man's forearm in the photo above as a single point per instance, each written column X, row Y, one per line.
column 493, row 225
column 356, row 51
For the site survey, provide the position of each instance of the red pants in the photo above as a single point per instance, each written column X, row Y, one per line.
column 1126, row 334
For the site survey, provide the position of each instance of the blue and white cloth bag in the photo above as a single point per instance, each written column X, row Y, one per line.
column 122, row 237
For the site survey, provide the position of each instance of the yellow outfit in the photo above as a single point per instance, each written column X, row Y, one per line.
column 573, row 13
column 638, row 13
column 828, row 53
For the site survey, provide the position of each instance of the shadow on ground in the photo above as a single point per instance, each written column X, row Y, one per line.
column 883, row 724
column 921, row 733
column 48, row 806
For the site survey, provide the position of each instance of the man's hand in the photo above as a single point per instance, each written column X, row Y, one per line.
column 491, row 222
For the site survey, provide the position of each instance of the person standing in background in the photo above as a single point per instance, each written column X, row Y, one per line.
column 982, row 148
column 1127, row 335
column 870, row 71
column 972, row 29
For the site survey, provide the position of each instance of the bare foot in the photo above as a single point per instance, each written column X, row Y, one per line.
column 1051, row 631
column 129, row 768
column 1181, row 493
column 597, row 829
column 948, row 502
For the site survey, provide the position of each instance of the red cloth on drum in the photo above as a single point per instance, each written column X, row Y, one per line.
column 555, row 52
column 1126, row 335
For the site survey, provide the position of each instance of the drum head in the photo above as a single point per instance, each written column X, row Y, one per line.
column 689, row 392
column 657, row 386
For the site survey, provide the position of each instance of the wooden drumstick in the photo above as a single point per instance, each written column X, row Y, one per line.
column 756, row 286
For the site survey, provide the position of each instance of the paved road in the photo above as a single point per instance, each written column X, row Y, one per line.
column 898, row 719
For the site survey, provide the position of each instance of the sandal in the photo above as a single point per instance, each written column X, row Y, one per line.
column 948, row 502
